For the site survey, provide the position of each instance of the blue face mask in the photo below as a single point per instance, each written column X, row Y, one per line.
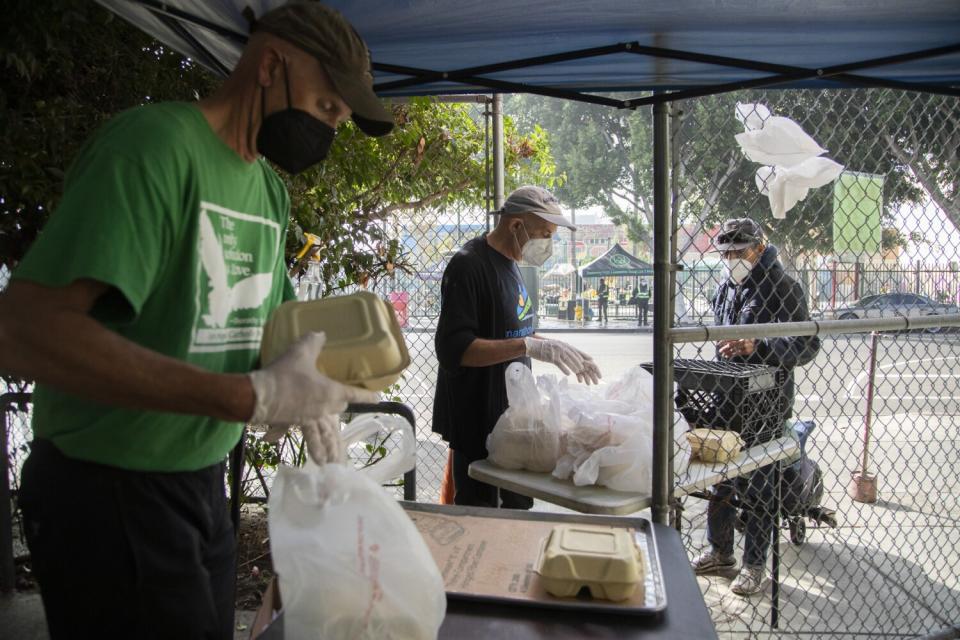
column 292, row 138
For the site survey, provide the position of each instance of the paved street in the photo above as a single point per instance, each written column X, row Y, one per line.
column 915, row 373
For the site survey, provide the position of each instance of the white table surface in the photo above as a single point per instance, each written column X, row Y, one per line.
column 602, row 501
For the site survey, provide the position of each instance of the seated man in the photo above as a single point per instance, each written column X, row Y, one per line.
column 757, row 290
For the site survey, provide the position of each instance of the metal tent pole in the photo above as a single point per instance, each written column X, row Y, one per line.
column 662, row 321
column 488, row 194
column 497, row 151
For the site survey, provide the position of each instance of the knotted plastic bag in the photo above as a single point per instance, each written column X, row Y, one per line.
column 791, row 155
column 611, row 440
column 522, row 437
column 351, row 564
column 786, row 186
column 780, row 141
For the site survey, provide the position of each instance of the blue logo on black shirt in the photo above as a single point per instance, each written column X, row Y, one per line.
column 524, row 306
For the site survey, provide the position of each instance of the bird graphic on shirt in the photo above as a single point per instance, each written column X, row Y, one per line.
column 523, row 302
column 223, row 299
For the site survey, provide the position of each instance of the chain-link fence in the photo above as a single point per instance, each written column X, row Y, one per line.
column 853, row 532
column 16, row 415
column 429, row 236
column 885, row 245
column 433, row 237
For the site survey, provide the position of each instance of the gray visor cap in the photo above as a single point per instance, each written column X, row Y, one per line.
column 538, row 201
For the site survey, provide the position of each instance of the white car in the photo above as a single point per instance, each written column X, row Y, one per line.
column 894, row 305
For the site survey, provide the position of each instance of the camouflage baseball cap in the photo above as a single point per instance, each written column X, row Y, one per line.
column 738, row 233
column 326, row 35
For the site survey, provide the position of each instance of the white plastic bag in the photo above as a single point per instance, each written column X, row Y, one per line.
column 781, row 142
column 351, row 564
column 522, row 437
column 615, row 448
column 624, row 463
column 752, row 115
column 786, row 186
column 792, row 157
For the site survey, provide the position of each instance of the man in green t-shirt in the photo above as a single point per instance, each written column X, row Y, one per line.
column 139, row 312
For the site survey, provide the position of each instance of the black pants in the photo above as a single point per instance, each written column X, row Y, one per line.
column 642, row 313
column 603, row 311
column 473, row 493
column 756, row 491
column 126, row 554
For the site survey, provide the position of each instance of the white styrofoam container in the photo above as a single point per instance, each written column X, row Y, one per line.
column 714, row 445
column 364, row 347
column 603, row 559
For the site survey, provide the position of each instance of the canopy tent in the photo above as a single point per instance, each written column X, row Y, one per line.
column 559, row 270
column 617, row 261
column 566, row 48
column 576, row 48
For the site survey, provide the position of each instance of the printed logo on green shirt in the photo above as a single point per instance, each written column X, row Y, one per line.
column 238, row 253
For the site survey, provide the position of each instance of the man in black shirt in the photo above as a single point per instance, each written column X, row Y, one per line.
column 486, row 323
column 603, row 298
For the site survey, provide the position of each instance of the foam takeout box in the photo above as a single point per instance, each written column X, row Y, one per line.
column 364, row 347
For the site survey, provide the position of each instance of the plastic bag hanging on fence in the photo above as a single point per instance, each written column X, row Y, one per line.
column 351, row 564
column 780, row 142
column 752, row 115
column 522, row 438
column 786, row 186
column 794, row 166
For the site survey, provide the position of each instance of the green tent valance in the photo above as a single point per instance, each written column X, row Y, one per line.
column 617, row 261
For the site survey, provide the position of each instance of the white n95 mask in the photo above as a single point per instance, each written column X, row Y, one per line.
column 538, row 251
column 738, row 269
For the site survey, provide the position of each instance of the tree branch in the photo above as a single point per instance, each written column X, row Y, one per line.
column 423, row 202
column 711, row 199
column 929, row 184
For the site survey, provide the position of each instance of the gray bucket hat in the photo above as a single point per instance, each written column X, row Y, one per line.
column 538, row 201
column 738, row 233
column 326, row 35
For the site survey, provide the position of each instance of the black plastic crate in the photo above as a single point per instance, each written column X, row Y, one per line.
column 729, row 377
column 727, row 395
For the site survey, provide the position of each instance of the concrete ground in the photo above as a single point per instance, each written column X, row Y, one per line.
column 892, row 567
column 21, row 618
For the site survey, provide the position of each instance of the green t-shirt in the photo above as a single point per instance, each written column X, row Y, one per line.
column 190, row 238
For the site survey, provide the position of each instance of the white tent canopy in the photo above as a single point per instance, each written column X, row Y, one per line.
column 560, row 270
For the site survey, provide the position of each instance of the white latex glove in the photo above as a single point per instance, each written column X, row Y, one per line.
column 290, row 391
column 569, row 360
column 322, row 437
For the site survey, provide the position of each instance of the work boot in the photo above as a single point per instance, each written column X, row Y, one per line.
column 750, row 580
column 712, row 561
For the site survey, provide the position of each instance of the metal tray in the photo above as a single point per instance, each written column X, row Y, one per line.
column 655, row 597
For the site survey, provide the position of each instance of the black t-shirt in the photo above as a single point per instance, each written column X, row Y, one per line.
column 482, row 296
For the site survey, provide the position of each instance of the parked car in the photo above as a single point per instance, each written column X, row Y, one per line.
column 893, row 305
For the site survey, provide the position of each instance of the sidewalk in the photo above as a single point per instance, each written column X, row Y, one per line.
column 614, row 324
column 887, row 566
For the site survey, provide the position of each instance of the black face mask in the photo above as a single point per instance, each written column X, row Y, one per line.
column 292, row 138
